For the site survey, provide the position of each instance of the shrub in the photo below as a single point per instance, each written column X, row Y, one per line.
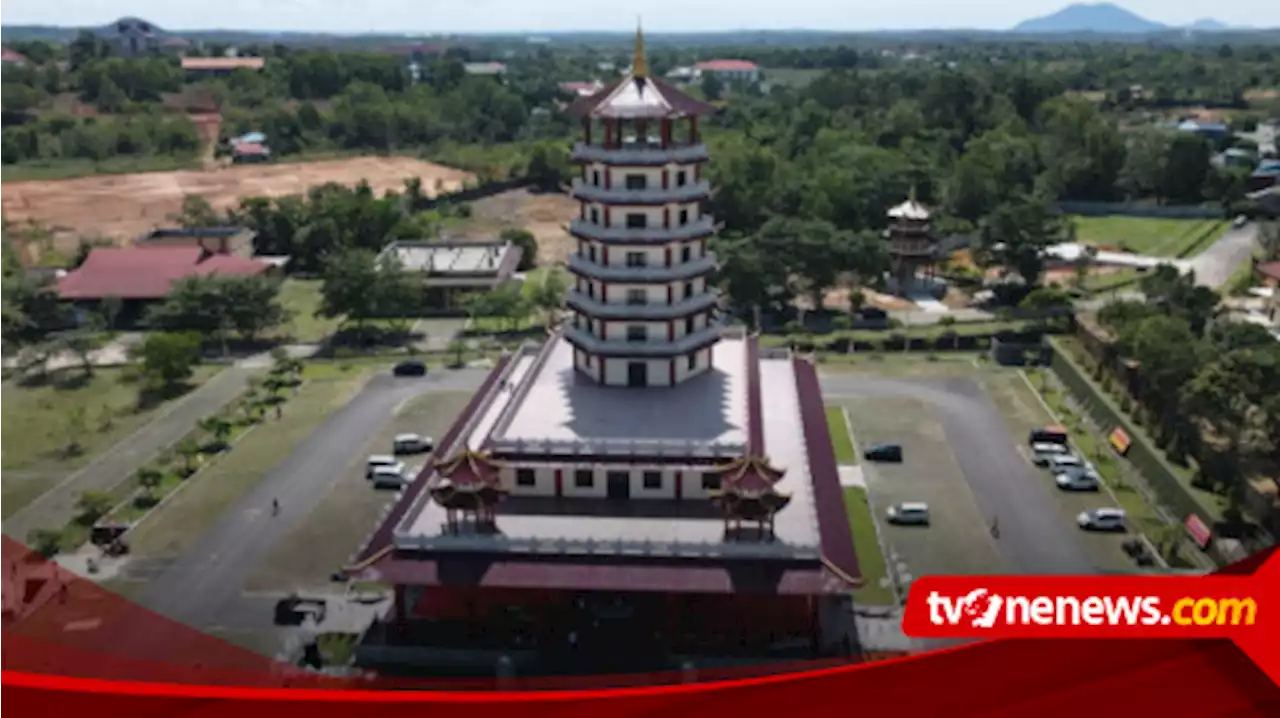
column 45, row 541
column 93, row 505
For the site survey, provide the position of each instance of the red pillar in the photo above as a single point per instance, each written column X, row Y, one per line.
column 667, row 262
column 671, row 330
column 559, row 482
column 666, row 179
column 671, row 370
column 670, row 291
column 608, row 216
column 608, row 178
column 666, row 211
column 679, row 486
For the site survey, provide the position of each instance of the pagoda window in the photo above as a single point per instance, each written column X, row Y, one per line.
column 591, row 252
column 653, row 479
column 688, row 290
column 637, row 221
column 595, row 178
column 637, row 297
column 684, row 217
column 637, row 333
column 688, row 325
column 583, row 479
column 693, row 361
column 637, row 182
column 595, row 215
column 710, row 482
column 681, row 179
column 686, row 252
column 636, row 259
column 526, row 477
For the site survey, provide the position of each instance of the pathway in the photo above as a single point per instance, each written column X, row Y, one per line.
column 57, row 506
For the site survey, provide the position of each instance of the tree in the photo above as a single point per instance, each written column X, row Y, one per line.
column 197, row 212
column 168, row 359
column 250, row 305
column 1016, row 234
column 1146, row 160
column 506, row 303
column 527, row 243
column 75, row 426
column 547, row 295
column 93, row 505
column 398, row 292
column 189, row 450
column 712, row 86
column 1187, row 167
column 1170, row 289
column 84, row 342
column 45, row 542
column 457, row 348
column 149, row 479
column 348, row 280
column 218, row 428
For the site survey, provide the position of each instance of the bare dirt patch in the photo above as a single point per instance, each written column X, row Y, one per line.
column 543, row 214
column 124, row 206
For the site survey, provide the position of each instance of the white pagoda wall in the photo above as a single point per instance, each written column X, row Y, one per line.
column 689, row 478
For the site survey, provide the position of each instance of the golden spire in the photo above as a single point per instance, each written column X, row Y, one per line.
column 911, row 196
column 639, row 68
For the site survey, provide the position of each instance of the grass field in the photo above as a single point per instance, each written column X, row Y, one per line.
column 38, row 418
column 875, row 590
column 1153, row 236
column 840, row 440
column 69, row 168
column 301, row 298
column 345, row 517
column 217, row 488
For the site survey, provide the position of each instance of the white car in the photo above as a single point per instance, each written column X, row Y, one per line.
column 412, row 444
column 379, row 461
column 1106, row 519
column 1066, row 463
column 911, row 512
column 1078, row 481
column 1042, row 453
column 389, row 477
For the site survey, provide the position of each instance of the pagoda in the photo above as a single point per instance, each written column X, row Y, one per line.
column 643, row 310
column 614, row 498
column 913, row 248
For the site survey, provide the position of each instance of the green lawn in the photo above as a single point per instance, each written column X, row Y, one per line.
column 870, row 561
column 301, row 298
column 38, row 418
column 840, row 438
column 1155, row 236
column 122, row 164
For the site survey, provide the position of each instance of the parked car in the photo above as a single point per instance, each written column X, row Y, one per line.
column 378, row 461
column 389, row 477
column 911, row 512
column 1064, row 463
column 412, row 444
column 1240, row 221
column 410, row 367
column 1041, row 453
column 884, row 452
column 1105, row 519
column 1048, row 435
column 1078, row 481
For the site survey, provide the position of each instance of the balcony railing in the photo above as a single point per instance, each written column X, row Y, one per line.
column 649, row 347
column 639, row 153
column 621, row 195
column 644, row 310
column 620, row 273
column 700, row 227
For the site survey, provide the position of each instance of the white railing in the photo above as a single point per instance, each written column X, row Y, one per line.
column 698, row 227
column 650, row 195
column 621, row 448
column 565, row 546
column 639, row 153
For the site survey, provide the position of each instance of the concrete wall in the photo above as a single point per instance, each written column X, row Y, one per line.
column 613, row 371
column 688, row 478
column 617, row 175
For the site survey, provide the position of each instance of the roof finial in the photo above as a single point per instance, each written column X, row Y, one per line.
column 911, row 195
column 639, row 68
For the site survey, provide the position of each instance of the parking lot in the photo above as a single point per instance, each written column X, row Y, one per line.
column 326, row 539
column 957, row 540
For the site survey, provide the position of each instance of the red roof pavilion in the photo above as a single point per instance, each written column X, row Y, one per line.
column 148, row 272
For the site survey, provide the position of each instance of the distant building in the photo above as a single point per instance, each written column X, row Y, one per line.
column 581, row 89
column 1210, row 130
column 133, row 37
column 14, row 59
column 730, row 70
column 142, row 275
column 236, row 241
column 451, row 270
column 215, row 66
column 250, row 152
column 682, row 74
column 485, row 68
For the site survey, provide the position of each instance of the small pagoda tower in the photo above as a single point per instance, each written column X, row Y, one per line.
column 913, row 248
column 468, row 484
column 747, row 493
column 643, row 310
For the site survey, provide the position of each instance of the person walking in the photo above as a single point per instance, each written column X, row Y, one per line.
column 275, row 507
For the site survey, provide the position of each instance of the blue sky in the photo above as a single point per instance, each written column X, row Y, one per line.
column 443, row 16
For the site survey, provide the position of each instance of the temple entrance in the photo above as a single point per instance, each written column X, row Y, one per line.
column 619, row 485
column 637, row 374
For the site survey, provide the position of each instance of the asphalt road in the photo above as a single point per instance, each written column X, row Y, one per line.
column 207, row 579
column 1215, row 265
column 1034, row 538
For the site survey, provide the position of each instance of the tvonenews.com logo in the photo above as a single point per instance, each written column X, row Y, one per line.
column 981, row 608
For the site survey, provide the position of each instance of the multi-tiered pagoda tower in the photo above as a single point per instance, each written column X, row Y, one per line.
column 913, row 247
column 644, row 313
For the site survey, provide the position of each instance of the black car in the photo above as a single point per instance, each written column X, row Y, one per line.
column 884, row 452
column 410, row 367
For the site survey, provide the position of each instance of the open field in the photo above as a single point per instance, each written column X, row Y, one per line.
column 169, row 530
column 1154, row 236
column 544, row 214
column 345, row 517
column 124, row 206
column 37, row 419
column 301, row 298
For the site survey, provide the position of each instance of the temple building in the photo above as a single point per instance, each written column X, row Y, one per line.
column 645, row 489
column 913, row 247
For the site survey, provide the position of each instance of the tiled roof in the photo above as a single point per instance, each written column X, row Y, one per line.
column 223, row 63
column 727, row 65
column 11, row 56
column 147, row 272
column 648, row 97
column 1269, row 269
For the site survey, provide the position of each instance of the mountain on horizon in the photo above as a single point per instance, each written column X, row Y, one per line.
column 1104, row 18
column 1208, row 24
